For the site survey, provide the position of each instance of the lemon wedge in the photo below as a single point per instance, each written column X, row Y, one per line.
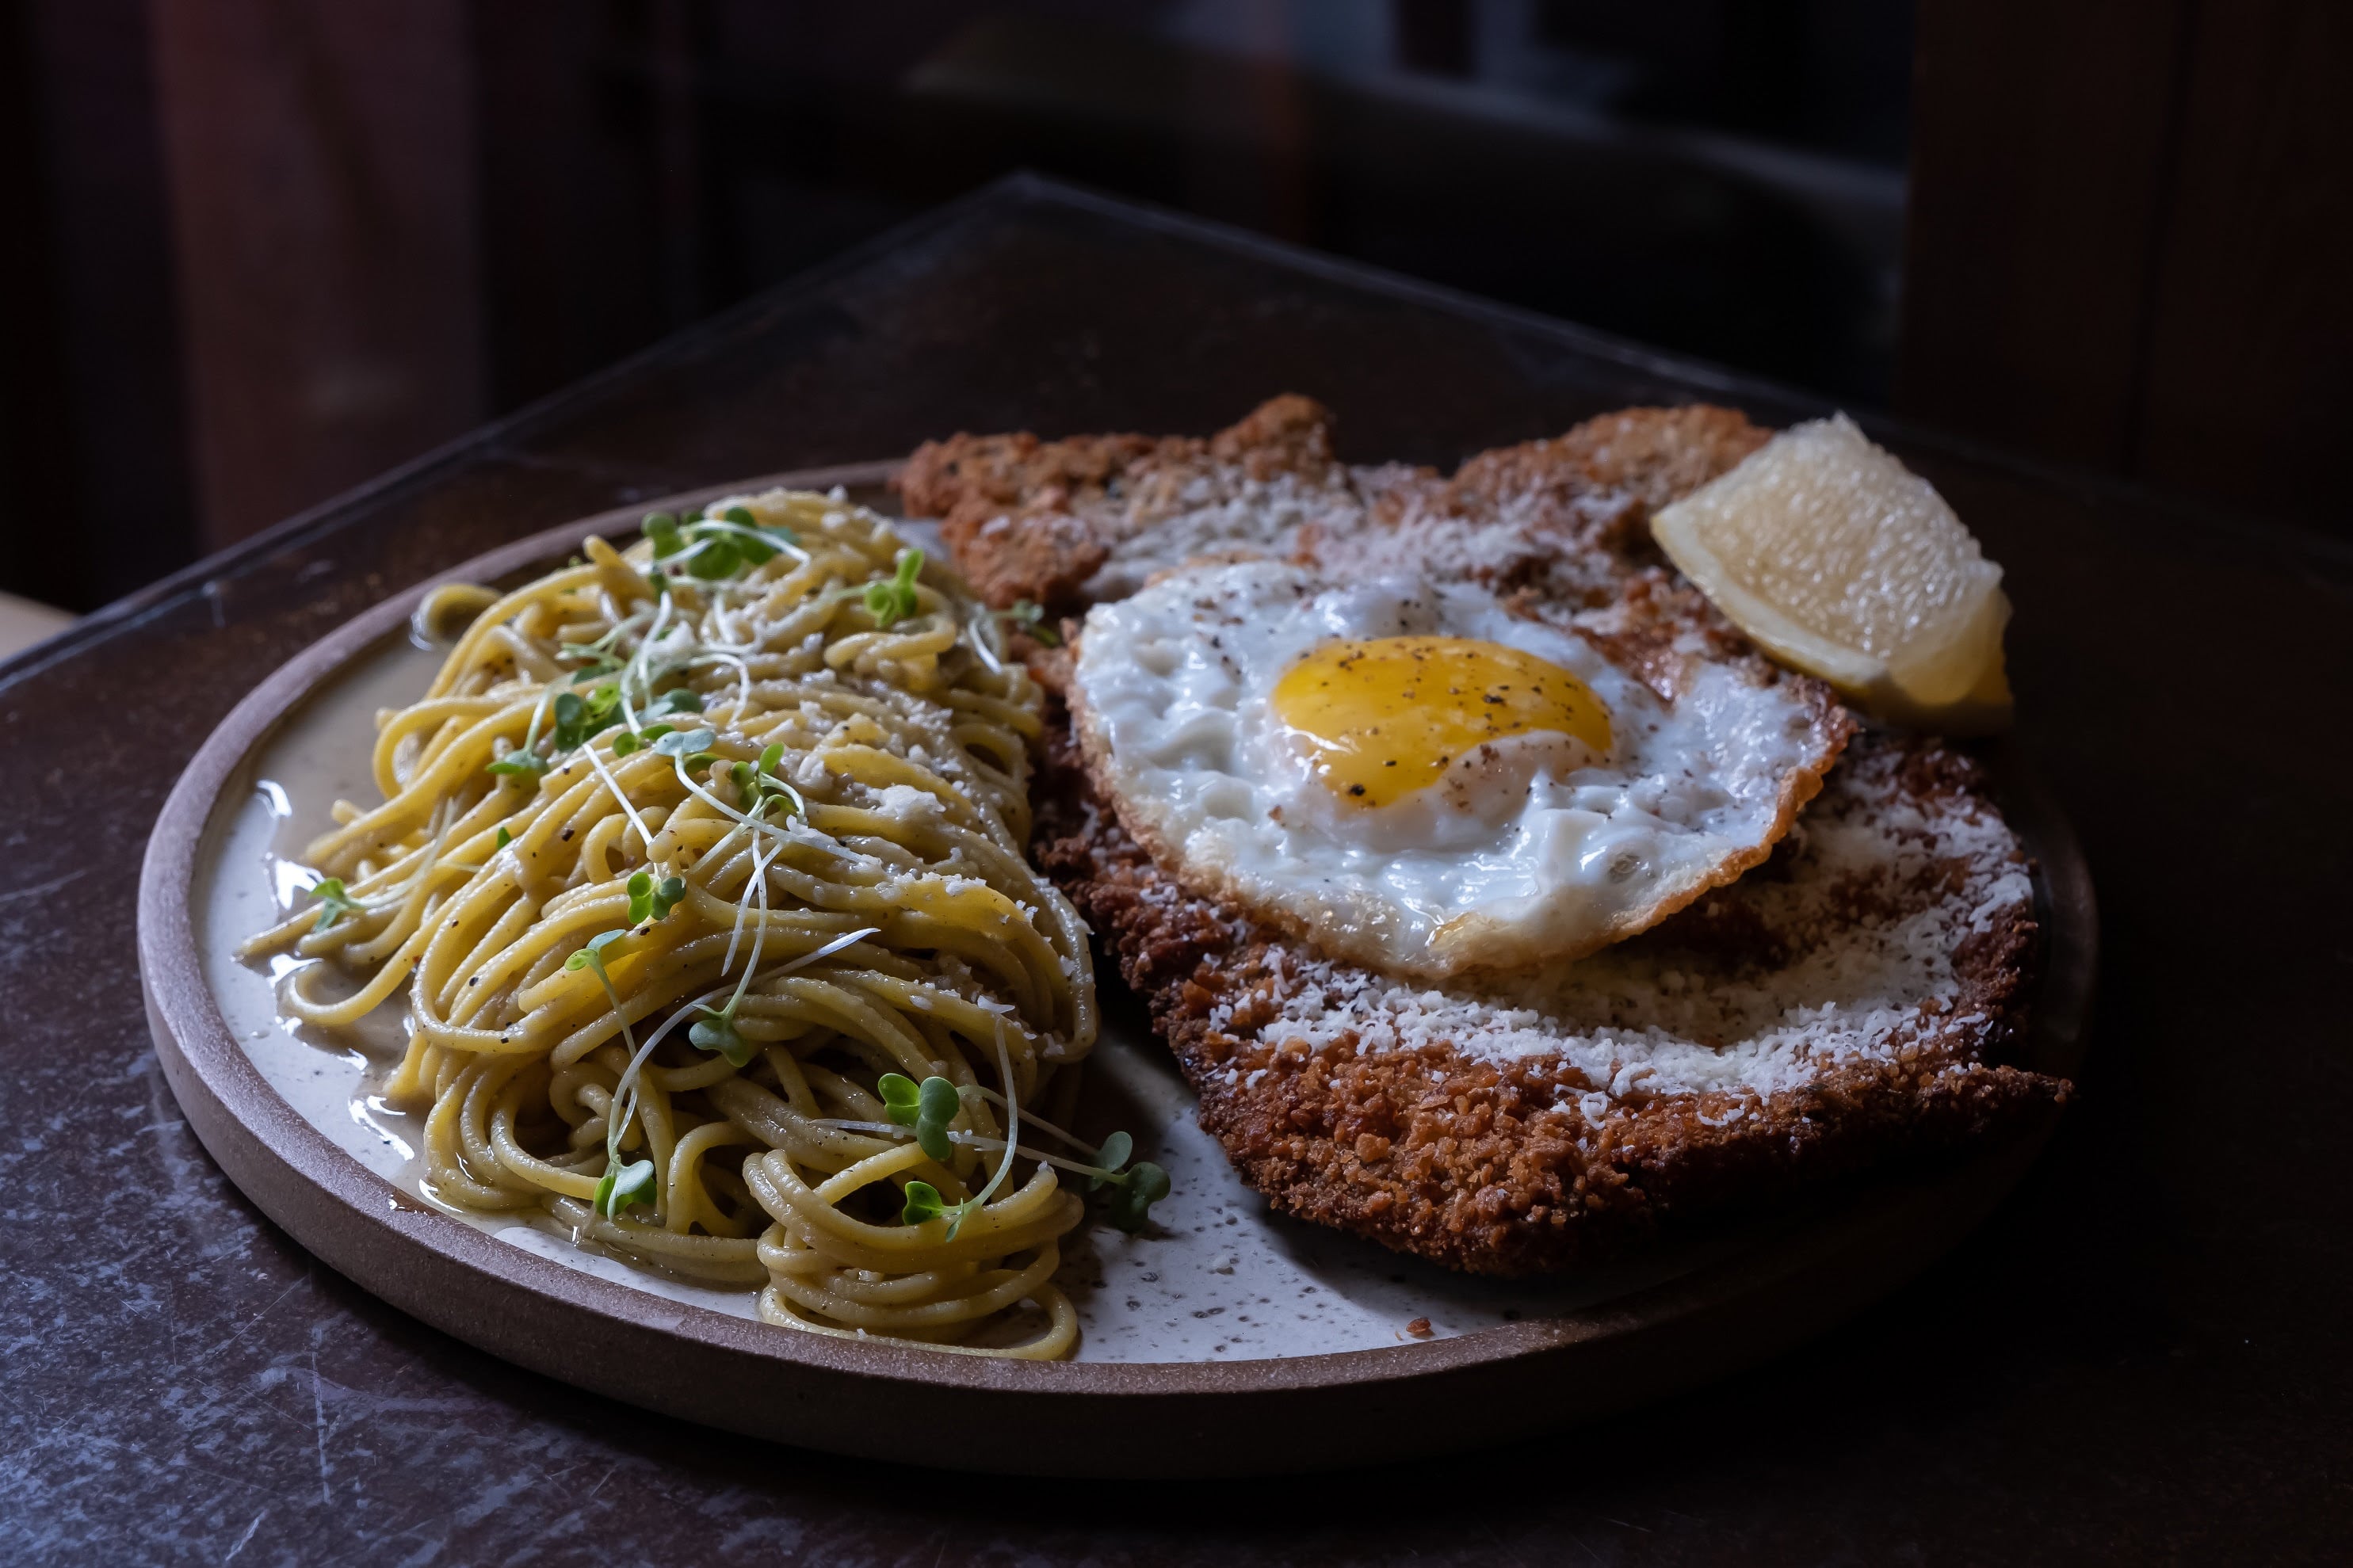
column 1842, row 563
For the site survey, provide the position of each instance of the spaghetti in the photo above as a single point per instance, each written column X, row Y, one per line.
column 702, row 865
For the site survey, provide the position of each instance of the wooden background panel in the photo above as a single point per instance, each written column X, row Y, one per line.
column 264, row 250
column 321, row 160
column 2037, row 179
column 574, row 252
column 2251, row 343
column 36, row 479
column 2130, row 237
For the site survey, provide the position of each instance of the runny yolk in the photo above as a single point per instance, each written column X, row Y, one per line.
column 1388, row 716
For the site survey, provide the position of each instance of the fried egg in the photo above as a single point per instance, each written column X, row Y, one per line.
column 1416, row 778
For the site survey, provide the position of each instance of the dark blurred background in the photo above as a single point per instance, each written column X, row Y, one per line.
column 260, row 251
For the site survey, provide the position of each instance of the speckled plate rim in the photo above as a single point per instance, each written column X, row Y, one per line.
column 872, row 1399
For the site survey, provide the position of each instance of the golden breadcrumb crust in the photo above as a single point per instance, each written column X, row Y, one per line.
column 1489, row 1167
column 1486, row 1165
column 1018, row 513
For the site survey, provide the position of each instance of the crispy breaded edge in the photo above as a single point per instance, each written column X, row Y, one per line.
column 1481, row 1166
column 1468, row 1163
column 1504, row 948
column 1013, row 509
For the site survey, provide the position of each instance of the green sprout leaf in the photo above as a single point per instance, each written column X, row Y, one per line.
column 677, row 699
column 894, row 601
column 592, row 956
column 570, row 712
column 900, row 1098
column 624, row 743
column 1136, row 1192
column 577, row 719
column 923, row 1203
column 752, row 544
column 756, row 783
column 688, row 744
column 1030, row 619
column 520, row 763
column 632, row 1183
column 662, row 529
column 717, row 1032
column 715, row 558
column 505, row 838
column 936, row 1105
column 652, row 900
column 1115, row 1150
column 333, row 903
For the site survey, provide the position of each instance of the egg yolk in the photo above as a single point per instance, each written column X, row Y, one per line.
column 1388, row 716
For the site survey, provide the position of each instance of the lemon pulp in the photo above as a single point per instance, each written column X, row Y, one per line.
column 1840, row 561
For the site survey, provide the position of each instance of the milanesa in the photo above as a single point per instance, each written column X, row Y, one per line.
column 1849, row 1000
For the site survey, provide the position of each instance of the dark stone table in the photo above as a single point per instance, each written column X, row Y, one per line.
column 2142, row 1357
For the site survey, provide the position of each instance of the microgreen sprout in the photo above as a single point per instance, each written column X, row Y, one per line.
column 630, row 1184
column 652, row 900
column 505, row 838
column 600, row 658
column 928, row 1108
column 333, row 903
column 1110, row 1158
column 577, row 718
column 924, row 1201
column 714, row 559
column 936, row 1104
column 692, row 746
column 1134, row 1191
column 754, row 544
column 1131, row 1205
column 594, row 660
column 622, row 1185
column 895, row 600
column 717, row 1032
column 1026, row 615
column 592, row 957
column 757, row 785
column 901, row 1101
column 715, row 547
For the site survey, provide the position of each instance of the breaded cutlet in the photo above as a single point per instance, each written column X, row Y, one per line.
column 1850, row 1001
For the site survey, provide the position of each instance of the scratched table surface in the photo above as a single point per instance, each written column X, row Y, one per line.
column 2142, row 1356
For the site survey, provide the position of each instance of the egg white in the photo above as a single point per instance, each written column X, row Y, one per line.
column 1535, row 851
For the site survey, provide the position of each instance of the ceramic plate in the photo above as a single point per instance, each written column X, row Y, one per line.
column 1227, row 1330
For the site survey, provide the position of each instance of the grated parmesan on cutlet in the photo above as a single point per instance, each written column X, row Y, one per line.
column 1851, row 1002
column 1643, row 1020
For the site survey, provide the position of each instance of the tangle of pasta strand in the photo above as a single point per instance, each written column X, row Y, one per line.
column 889, row 919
